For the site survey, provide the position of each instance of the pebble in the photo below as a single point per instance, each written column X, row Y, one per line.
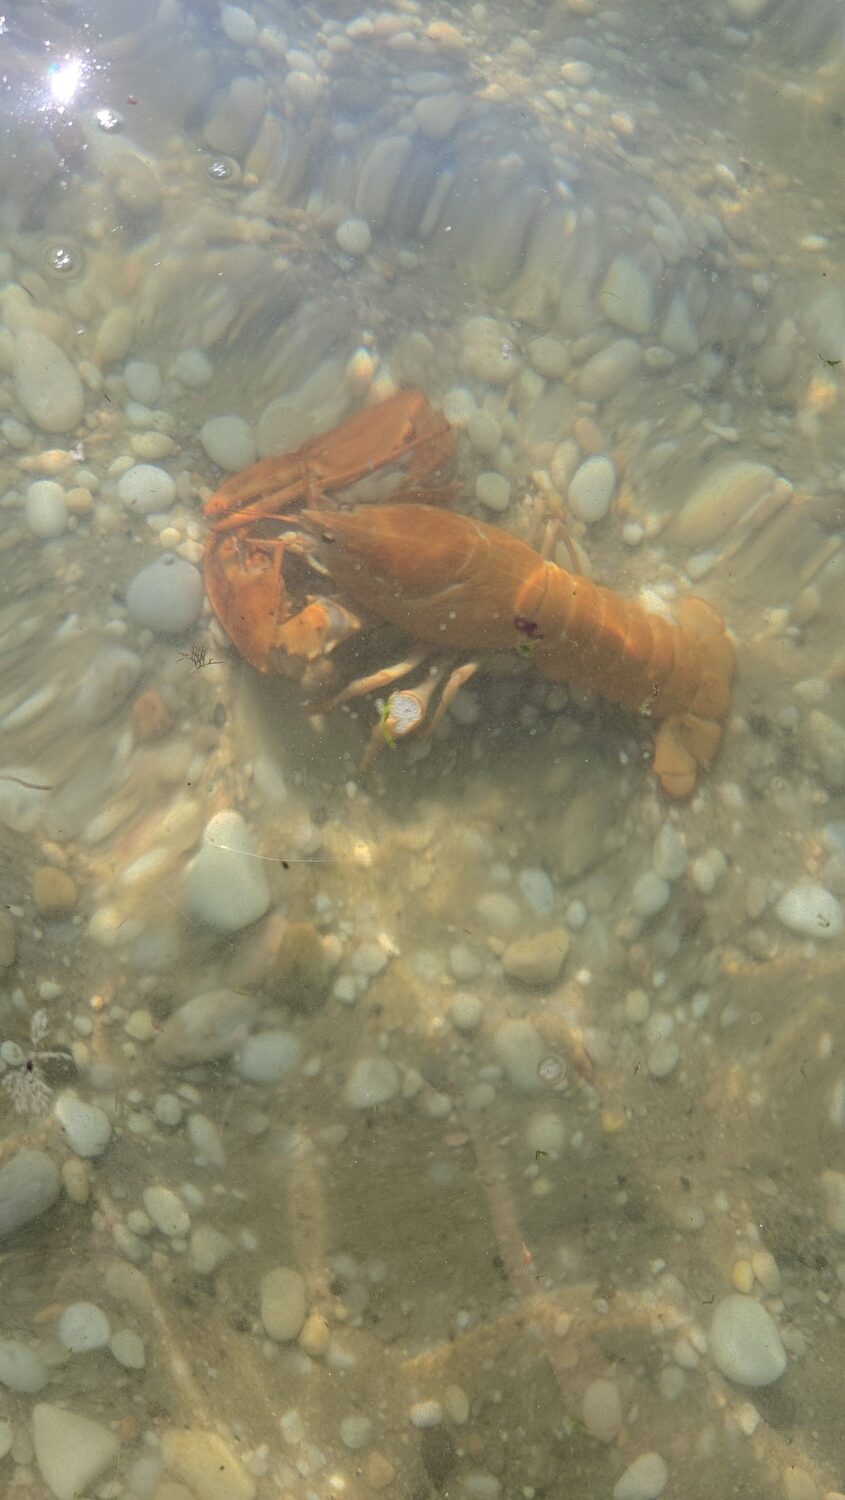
column 592, row 488
column 519, row 1048
column 811, row 911
column 71, row 1451
column 208, row 1248
column 29, row 1185
column 493, row 491
column 268, row 1056
column 726, row 493
column 536, row 960
column 20, row 1368
column 239, row 25
column 46, row 383
column 127, row 1346
column 644, row 1479
column 206, row 1140
column 609, row 369
column 426, row 1414
column 545, row 1132
column 499, row 912
column 193, row 367
column 146, row 489
column 143, row 381
column 663, row 1058
column 226, row 886
column 87, row 1128
column 166, row 596
column 53, row 891
column 669, row 853
column 82, row 1327
column 283, row 1303
column 371, row 1081
column 744, row 1342
column 206, row 1464
column 466, row 1011
column 205, row 1028
column 167, row 1211
column 353, row 236
column 229, row 442
column 627, row 296
column 45, row 509
column 537, row 890
column 484, row 432
column 601, row 1410
column 106, row 684
column 150, row 716
column 649, row 894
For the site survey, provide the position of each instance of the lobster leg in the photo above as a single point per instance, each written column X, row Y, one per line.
column 377, row 680
column 456, row 681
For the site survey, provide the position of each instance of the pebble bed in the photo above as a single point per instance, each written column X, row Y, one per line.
column 473, row 1127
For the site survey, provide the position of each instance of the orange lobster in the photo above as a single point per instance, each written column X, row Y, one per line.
column 451, row 583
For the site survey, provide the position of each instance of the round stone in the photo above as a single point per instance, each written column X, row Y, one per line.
column 46, row 383
column 229, row 442
column 193, row 368
column 167, row 1211
column 166, row 596
column 45, row 509
column 811, row 911
column 87, row 1128
column 353, row 236
column 83, row 1327
column 143, row 381
column 372, row 1081
column 592, row 488
column 283, row 1303
column 146, row 489
column 745, row 1343
column 493, row 491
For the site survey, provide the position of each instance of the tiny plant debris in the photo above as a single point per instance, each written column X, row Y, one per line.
column 198, row 657
column 384, row 713
column 24, row 1082
column 831, row 362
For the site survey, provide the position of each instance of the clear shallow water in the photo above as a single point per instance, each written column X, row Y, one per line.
column 406, row 1132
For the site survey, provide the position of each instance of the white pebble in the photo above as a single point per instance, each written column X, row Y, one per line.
column 193, row 367
column 426, row 1414
column 484, row 432
column 167, row 1212
column 372, row 1080
column 205, row 1028
column 143, row 381
column 82, row 1327
column 493, row 491
column 353, row 236
column 591, row 489
column 268, row 1056
column 663, row 1058
column 601, row 1410
column 71, row 1451
column 20, row 1368
column 206, row 1140
column 47, row 384
column 166, row 596
column 538, row 890
column 238, row 25
column 29, row 1185
column 810, row 910
column 369, row 959
column 649, row 894
column 127, row 1346
column 465, row 1011
column 226, row 884
column 208, row 1248
column 146, row 489
column 644, row 1479
column 45, row 509
column 87, row 1128
column 229, row 442
column 283, row 1303
column 745, row 1343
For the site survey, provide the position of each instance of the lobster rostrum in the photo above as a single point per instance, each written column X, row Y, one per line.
column 457, row 588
